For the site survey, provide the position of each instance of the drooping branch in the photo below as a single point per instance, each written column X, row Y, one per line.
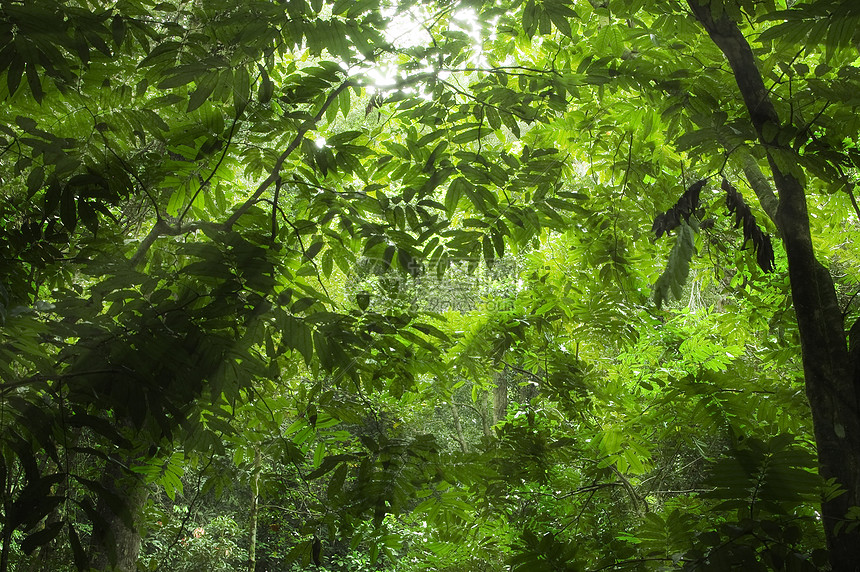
column 792, row 200
column 745, row 220
column 163, row 228
column 813, row 292
column 812, row 287
column 683, row 209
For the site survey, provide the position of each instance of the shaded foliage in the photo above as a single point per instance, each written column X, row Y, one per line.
column 386, row 300
column 752, row 232
column 686, row 206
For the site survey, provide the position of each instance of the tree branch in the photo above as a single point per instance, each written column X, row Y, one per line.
column 162, row 228
column 759, row 184
column 276, row 170
column 849, row 187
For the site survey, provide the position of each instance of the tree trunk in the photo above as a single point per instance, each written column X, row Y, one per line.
column 252, row 525
column 529, row 390
column 500, row 397
column 486, row 427
column 115, row 545
column 458, row 427
column 45, row 553
column 6, row 542
column 829, row 368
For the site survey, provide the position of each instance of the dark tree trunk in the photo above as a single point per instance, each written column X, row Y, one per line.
column 115, row 545
column 829, row 368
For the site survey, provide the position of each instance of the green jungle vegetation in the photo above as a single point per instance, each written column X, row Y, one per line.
column 459, row 285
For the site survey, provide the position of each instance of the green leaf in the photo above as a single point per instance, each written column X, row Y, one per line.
column 266, row 88
column 559, row 20
column 78, row 553
column 68, row 210
column 34, row 82
column 530, row 18
column 335, row 487
column 165, row 51
column 13, row 76
column 35, row 180
column 313, row 250
column 205, row 87
column 180, row 76
column 118, row 30
column 176, row 203
column 241, row 89
column 455, row 191
column 323, row 351
column 319, row 453
column 41, row 537
column 489, row 252
column 363, row 300
column 297, row 335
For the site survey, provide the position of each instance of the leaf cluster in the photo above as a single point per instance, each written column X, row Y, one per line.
column 752, row 232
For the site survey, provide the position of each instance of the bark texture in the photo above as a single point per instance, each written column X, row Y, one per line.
column 252, row 524
column 500, row 397
column 829, row 369
column 115, row 545
column 458, row 427
column 485, row 414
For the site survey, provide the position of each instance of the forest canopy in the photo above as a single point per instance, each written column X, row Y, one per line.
column 453, row 285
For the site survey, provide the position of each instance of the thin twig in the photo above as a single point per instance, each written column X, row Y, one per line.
column 204, row 183
column 275, row 208
column 308, row 258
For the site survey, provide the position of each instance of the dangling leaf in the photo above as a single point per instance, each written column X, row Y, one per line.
column 678, row 266
column 744, row 218
column 686, row 206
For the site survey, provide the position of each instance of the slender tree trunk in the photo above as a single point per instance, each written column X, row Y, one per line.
column 458, row 427
column 46, row 552
column 500, row 396
column 829, row 368
column 6, row 547
column 252, row 525
column 528, row 392
column 758, row 181
column 115, row 545
column 486, row 427
column 6, row 530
